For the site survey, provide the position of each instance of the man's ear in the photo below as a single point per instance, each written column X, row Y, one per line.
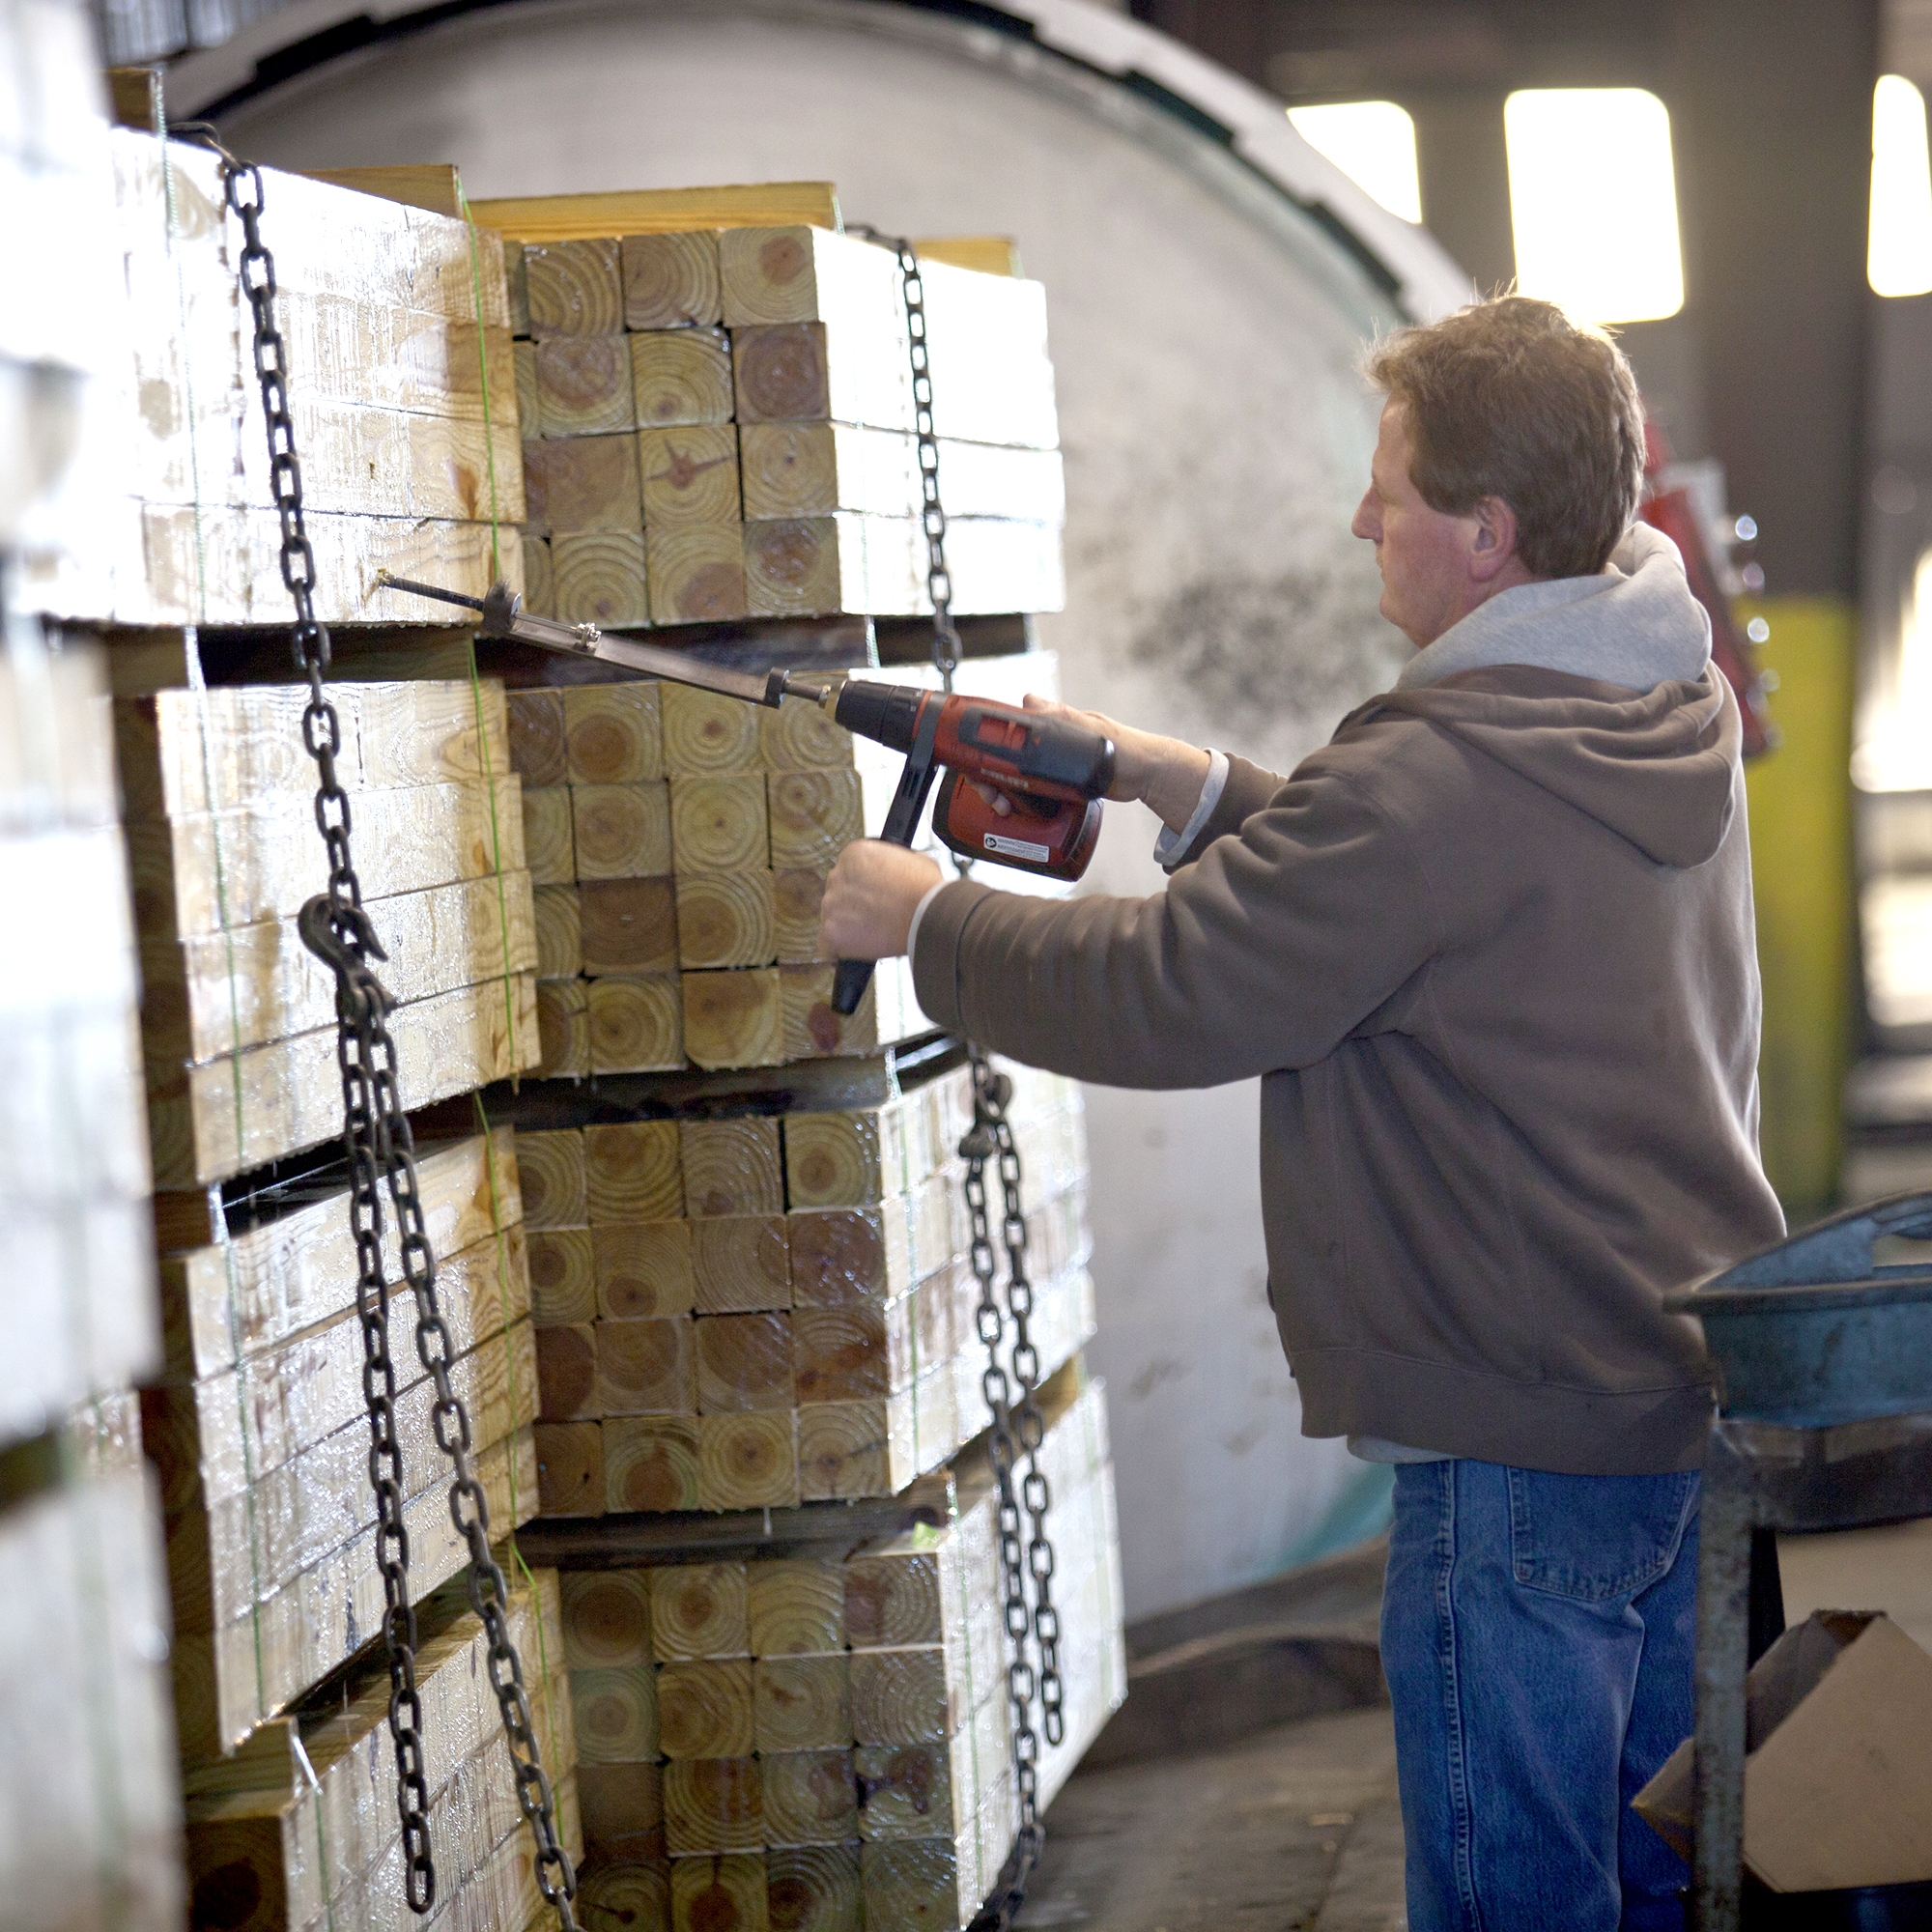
column 1494, row 543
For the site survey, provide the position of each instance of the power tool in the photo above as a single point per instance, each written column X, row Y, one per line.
column 1051, row 775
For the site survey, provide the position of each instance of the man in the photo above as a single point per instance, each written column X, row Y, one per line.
column 1490, row 951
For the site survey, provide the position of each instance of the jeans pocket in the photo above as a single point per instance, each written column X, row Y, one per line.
column 1596, row 1537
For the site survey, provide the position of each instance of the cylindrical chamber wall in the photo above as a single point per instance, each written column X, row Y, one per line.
column 1205, row 332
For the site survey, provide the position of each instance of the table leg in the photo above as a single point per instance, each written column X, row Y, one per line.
column 1724, row 1606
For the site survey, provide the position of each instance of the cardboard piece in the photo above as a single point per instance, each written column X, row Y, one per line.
column 1839, row 1764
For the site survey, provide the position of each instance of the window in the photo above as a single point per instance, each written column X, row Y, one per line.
column 1899, row 250
column 1593, row 197
column 1372, row 142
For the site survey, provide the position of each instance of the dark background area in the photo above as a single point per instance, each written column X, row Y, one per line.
column 1771, row 115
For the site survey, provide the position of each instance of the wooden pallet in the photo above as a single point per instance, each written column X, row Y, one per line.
column 238, row 1023
column 397, row 328
column 752, row 1312
column 823, row 1735
column 302, row 1822
column 718, row 420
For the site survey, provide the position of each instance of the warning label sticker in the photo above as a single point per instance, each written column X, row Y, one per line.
column 1015, row 848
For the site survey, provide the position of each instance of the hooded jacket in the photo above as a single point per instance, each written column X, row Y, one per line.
column 1490, row 951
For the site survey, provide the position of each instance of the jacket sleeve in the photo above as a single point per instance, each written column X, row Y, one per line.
column 1246, row 790
column 1298, row 920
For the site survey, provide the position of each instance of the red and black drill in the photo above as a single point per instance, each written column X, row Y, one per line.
column 1052, row 775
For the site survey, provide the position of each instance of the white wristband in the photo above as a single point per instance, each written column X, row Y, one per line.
column 918, row 913
column 1171, row 844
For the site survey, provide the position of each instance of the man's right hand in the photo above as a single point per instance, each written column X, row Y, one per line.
column 1165, row 774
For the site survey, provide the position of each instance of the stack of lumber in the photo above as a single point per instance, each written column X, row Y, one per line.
column 678, row 844
column 820, row 1735
column 73, row 1159
column 239, row 1018
column 749, row 1312
column 717, row 422
column 260, row 1432
column 298, row 1829
column 89, row 1807
column 84, row 1737
column 55, row 322
column 396, row 326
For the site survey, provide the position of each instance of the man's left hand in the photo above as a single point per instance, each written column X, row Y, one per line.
column 870, row 899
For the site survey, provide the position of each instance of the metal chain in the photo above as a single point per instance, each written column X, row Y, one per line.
column 932, row 513
column 1017, row 1427
column 381, row 1146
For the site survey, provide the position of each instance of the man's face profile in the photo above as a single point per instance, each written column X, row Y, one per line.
column 1436, row 566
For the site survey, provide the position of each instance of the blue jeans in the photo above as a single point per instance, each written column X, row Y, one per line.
column 1537, row 1636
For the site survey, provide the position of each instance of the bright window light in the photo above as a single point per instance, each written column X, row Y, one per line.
column 1372, row 142
column 1898, row 254
column 1894, row 753
column 1594, row 200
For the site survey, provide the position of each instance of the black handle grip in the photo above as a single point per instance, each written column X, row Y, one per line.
column 848, row 986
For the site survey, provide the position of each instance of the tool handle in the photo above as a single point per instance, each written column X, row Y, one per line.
column 854, row 976
column 849, row 981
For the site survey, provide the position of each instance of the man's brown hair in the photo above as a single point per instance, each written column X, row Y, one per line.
column 1510, row 398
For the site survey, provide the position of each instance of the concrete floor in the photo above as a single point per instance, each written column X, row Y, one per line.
column 1296, row 1828
column 1292, row 1830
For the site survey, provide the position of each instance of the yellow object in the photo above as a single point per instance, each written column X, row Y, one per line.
column 1801, row 826
column 990, row 254
column 427, row 184
column 585, row 217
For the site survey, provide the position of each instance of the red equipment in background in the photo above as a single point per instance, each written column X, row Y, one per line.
column 1670, row 510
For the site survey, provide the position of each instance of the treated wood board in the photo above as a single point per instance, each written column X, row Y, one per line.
column 163, row 565
column 251, row 754
column 809, row 371
column 813, row 468
column 801, row 274
column 844, row 560
column 424, row 836
column 682, row 376
column 251, row 985
column 559, row 217
column 258, row 1813
column 327, row 239
column 597, row 576
column 56, row 753
column 290, row 1096
column 431, row 186
column 295, row 1269
column 76, row 877
column 80, row 1599
column 696, row 574
column 671, row 281
column 355, row 459
column 232, row 1429
column 244, row 1550
column 228, row 1683
column 582, row 385
column 988, row 254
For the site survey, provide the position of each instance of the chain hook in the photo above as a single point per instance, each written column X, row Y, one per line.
column 339, row 933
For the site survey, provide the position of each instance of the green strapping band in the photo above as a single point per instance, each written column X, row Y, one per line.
column 510, row 1360
column 483, row 371
column 475, row 682
column 198, row 684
